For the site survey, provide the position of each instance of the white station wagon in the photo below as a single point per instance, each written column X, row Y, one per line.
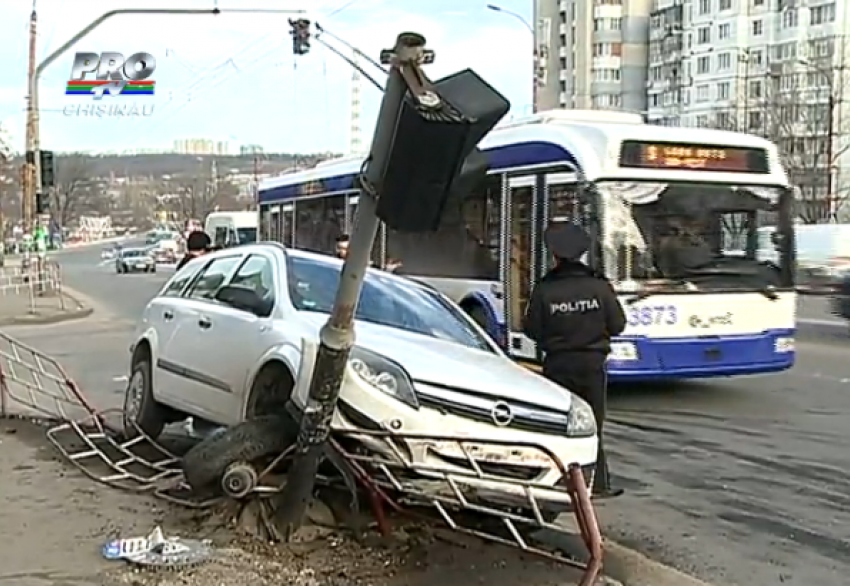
column 225, row 338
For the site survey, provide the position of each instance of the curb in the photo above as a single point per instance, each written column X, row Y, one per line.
column 81, row 312
column 632, row 568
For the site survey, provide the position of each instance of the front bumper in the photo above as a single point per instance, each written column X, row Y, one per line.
column 435, row 450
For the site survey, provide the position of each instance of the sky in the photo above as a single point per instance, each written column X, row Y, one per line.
column 233, row 77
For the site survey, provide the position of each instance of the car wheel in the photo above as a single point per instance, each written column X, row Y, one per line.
column 141, row 411
column 270, row 391
column 248, row 442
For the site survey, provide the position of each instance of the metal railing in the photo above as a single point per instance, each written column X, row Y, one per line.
column 34, row 279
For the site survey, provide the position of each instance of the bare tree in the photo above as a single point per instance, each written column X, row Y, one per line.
column 7, row 181
column 73, row 191
column 799, row 109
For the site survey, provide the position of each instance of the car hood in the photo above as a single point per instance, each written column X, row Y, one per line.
column 439, row 362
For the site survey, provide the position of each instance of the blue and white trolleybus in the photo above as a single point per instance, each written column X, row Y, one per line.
column 674, row 214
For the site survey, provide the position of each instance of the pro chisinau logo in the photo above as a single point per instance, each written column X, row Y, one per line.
column 110, row 74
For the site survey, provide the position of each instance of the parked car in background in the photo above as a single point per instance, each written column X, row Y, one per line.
column 134, row 260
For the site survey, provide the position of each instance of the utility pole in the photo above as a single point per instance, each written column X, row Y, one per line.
column 831, row 206
column 30, row 177
column 256, row 176
column 337, row 335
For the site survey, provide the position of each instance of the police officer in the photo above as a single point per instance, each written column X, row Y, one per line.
column 572, row 315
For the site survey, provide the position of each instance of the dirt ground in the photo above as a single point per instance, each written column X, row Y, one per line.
column 55, row 521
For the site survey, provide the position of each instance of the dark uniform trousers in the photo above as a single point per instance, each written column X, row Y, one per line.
column 584, row 374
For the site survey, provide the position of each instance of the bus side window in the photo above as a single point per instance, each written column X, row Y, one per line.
column 320, row 221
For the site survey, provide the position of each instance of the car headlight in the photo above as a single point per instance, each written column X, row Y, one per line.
column 581, row 421
column 623, row 351
column 384, row 375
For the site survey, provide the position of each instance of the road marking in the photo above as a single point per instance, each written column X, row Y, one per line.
column 120, row 379
column 832, row 323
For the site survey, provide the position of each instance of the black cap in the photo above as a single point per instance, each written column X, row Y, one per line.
column 197, row 241
column 566, row 241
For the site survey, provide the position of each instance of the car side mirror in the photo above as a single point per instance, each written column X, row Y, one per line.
column 244, row 299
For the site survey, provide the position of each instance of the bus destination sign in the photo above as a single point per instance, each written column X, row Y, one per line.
column 639, row 154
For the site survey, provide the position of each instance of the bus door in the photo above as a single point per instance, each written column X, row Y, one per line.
column 271, row 224
column 561, row 201
column 516, row 256
column 286, row 225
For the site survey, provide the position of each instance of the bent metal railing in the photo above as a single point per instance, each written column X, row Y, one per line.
column 34, row 385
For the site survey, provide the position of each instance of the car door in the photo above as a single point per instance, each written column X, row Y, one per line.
column 247, row 337
column 161, row 315
column 192, row 388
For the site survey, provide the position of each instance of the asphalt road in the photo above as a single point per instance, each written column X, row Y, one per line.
column 739, row 481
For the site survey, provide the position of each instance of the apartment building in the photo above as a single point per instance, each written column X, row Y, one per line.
column 595, row 53
column 776, row 68
column 201, row 146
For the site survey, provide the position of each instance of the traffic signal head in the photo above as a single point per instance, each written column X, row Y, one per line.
column 433, row 155
column 47, row 172
column 300, row 36
column 42, row 203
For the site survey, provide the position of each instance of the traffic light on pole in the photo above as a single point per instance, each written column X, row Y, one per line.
column 47, row 172
column 42, row 203
column 300, row 36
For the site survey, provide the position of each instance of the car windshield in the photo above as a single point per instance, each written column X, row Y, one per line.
column 385, row 301
column 133, row 253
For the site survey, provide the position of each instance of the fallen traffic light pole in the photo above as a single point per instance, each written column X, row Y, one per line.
column 416, row 161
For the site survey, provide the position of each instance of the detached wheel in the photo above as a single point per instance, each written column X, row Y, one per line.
column 141, row 411
column 205, row 465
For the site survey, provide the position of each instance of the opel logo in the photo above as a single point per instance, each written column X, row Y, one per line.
column 502, row 414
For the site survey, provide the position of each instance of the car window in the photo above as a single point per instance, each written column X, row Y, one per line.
column 257, row 272
column 213, row 277
column 385, row 300
column 178, row 282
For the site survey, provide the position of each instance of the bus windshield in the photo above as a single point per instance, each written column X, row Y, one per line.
column 688, row 234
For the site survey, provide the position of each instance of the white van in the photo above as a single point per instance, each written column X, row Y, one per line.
column 227, row 229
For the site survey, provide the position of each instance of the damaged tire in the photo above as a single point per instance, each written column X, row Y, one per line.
column 250, row 441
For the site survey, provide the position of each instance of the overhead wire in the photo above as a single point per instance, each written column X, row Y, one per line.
column 195, row 84
column 207, row 89
column 352, row 48
column 351, row 62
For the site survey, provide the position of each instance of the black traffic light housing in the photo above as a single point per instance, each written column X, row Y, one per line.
column 300, row 36
column 42, row 203
column 48, row 176
column 433, row 154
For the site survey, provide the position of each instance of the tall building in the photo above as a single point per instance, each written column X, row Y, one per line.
column 776, row 68
column 250, row 149
column 596, row 53
column 201, row 146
